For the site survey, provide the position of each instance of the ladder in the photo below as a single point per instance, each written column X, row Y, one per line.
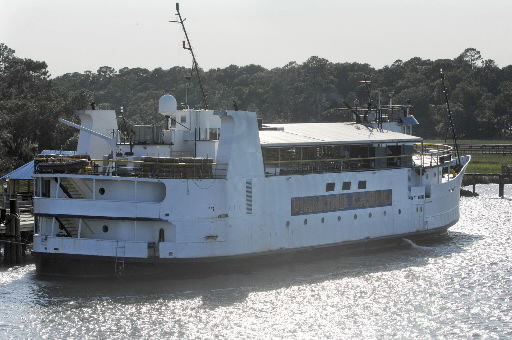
column 119, row 265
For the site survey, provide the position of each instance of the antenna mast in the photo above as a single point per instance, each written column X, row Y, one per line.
column 450, row 118
column 188, row 46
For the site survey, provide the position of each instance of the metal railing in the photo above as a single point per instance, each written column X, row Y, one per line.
column 426, row 155
column 186, row 168
column 430, row 155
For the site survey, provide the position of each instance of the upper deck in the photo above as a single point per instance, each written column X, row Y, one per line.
column 309, row 134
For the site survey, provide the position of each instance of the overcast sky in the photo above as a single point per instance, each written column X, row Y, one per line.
column 81, row 35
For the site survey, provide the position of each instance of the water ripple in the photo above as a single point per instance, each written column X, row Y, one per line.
column 456, row 286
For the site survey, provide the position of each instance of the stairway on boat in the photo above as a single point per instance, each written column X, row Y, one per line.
column 70, row 224
column 71, row 189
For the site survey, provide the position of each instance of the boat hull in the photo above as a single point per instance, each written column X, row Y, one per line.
column 69, row 265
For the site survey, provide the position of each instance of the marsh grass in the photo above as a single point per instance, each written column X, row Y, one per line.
column 484, row 163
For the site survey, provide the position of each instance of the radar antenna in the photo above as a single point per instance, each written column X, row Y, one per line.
column 188, row 46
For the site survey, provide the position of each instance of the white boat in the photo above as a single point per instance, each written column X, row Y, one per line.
column 217, row 185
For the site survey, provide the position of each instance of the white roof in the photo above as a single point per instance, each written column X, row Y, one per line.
column 330, row 133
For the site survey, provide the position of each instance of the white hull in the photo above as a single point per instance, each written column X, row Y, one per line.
column 215, row 218
column 250, row 192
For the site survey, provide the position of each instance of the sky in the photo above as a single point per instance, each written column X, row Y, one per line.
column 79, row 35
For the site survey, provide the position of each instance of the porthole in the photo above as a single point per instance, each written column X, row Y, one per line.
column 287, row 223
column 105, row 228
column 339, row 218
column 355, row 216
column 323, row 220
column 370, row 215
column 305, row 221
column 102, row 191
column 399, row 211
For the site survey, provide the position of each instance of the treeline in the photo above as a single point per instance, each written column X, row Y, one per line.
column 480, row 91
column 480, row 95
column 30, row 104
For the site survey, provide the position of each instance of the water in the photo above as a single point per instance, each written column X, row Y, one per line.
column 456, row 286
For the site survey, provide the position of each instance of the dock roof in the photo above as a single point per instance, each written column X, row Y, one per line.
column 329, row 133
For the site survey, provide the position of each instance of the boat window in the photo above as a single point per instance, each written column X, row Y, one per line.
column 105, row 228
column 346, row 186
column 183, row 119
column 361, row 185
column 214, row 134
column 329, row 186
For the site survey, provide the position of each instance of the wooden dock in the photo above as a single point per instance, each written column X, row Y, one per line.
column 16, row 233
column 484, row 178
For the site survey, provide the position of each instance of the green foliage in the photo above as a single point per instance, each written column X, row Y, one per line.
column 488, row 163
column 29, row 108
column 480, row 95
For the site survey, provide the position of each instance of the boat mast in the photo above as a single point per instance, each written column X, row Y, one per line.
column 450, row 118
column 188, row 46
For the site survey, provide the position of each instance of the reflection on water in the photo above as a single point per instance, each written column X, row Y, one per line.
column 457, row 285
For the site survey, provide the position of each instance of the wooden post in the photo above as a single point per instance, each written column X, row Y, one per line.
column 13, row 206
column 17, row 239
column 501, row 188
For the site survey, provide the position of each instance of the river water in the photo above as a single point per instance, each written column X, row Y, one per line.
column 456, row 286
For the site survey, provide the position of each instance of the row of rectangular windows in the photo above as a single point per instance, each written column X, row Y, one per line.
column 345, row 186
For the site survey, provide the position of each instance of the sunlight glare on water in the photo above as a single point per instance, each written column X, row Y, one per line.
column 458, row 285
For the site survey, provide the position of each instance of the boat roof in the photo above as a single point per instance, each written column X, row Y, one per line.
column 329, row 133
column 27, row 170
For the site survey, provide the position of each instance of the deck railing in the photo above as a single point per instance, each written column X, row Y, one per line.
column 425, row 155
column 152, row 167
column 428, row 154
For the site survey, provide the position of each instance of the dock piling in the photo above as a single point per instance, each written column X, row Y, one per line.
column 501, row 189
column 13, row 250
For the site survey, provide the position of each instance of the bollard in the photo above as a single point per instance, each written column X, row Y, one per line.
column 474, row 184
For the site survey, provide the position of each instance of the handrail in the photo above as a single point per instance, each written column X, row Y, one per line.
column 128, row 161
column 435, row 154
column 336, row 159
column 196, row 169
